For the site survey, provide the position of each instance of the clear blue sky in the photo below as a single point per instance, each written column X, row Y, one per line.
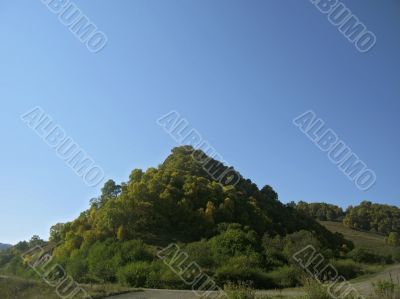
column 239, row 71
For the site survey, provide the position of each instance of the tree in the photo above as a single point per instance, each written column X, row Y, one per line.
column 393, row 239
column 109, row 191
column 136, row 175
column 36, row 241
column 209, row 212
column 121, row 233
column 320, row 211
column 379, row 218
column 55, row 232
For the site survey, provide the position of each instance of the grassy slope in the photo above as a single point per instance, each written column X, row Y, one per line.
column 373, row 242
column 364, row 284
column 365, row 240
column 18, row 288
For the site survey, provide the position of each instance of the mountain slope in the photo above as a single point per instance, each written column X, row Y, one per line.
column 4, row 246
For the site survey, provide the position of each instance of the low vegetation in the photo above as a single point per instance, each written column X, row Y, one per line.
column 12, row 288
column 386, row 289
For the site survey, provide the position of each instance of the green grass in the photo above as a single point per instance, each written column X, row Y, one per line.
column 365, row 240
column 16, row 288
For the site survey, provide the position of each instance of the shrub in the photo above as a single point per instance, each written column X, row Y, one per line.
column 396, row 255
column 364, row 256
column 348, row 268
column 201, row 253
column 315, row 290
column 233, row 242
column 393, row 239
column 134, row 275
column 133, row 251
column 160, row 276
column 77, row 267
column 273, row 251
column 297, row 241
column 241, row 290
column 243, row 268
column 100, row 261
column 286, row 276
column 386, row 289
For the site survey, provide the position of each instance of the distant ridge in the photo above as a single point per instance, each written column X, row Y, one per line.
column 4, row 246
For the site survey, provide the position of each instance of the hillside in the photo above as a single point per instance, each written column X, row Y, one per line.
column 236, row 232
column 182, row 201
column 4, row 246
column 365, row 240
column 233, row 233
column 371, row 226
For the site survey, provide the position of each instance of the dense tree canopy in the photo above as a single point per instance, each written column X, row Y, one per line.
column 180, row 201
column 378, row 218
column 320, row 211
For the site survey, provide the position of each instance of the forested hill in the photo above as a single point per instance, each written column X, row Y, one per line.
column 236, row 232
column 181, row 201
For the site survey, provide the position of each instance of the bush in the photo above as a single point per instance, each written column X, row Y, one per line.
column 134, row 275
column 201, row 253
column 241, row 290
column 298, row 241
column 386, row 289
column 273, row 251
column 364, row 256
column 133, row 251
column 348, row 268
column 286, row 276
column 77, row 267
column 160, row 276
column 393, row 239
column 396, row 255
column 102, row 261
column 233, row 242
column 243, row 268
column 315, row 290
